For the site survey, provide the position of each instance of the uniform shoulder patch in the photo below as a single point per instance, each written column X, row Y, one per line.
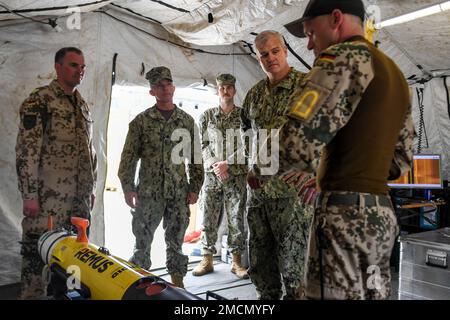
column 305, row 103
column 29, row 121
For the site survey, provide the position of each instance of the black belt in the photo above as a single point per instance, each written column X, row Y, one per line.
column 352, row 199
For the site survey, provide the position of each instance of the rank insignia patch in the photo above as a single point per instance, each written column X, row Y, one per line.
column 307, row 102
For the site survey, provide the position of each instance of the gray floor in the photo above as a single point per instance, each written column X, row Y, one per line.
column 221, row 282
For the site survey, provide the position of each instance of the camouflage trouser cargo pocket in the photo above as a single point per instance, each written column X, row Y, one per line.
column 358, row 231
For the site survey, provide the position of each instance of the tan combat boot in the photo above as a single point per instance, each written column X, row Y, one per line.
column 205, row 266
column 177, row 280
column 237, row 268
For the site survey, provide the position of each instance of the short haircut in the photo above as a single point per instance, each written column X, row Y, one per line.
column 263, row 36
column 61, row 53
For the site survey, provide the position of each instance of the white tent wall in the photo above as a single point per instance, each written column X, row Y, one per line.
column 396, row 52
column 188, row 67
column 26, row 62
column 436, row 118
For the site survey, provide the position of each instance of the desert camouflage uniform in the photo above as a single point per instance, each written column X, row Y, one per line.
column 162, row 185
column 229, row 195
column 356, row 229
column 275, row 245
column 56, row 164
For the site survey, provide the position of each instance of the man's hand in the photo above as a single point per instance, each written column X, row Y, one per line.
column 294, row 178
column 253, row 181
column 223, row 177
column 221, row 170
column 31, row 208
column 192, row 198
column 308, row 192
column 131, row 198
column 305, row 183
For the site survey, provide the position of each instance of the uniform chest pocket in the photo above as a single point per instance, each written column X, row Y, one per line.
column 150, row 141
column 214, row 133
column 256, row 116
column 63, row 125
column 211, row 126
column 235, row 123
column 254, row 112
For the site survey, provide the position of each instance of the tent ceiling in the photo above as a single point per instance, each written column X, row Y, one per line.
column 424, row 42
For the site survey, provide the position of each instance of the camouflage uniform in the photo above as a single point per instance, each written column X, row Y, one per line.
column 56, row 164
column 272, row 216
column 162, row 185
column 229, row 195
column 354, row 221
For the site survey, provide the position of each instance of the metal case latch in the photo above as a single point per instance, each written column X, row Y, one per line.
column 436, row 258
